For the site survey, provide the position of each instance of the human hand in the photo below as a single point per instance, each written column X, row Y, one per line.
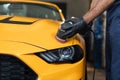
column 70, row 27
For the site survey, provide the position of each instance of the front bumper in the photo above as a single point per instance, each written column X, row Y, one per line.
column 40, row 70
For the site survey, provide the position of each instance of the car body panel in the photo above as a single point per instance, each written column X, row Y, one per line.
column 33, row 33
column 22, row 37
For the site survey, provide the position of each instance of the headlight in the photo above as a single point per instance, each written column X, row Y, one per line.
column 70, row 54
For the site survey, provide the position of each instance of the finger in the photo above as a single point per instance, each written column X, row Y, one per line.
column 69, row 34
column 66, row 26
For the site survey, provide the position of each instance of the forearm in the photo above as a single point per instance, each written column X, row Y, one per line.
column 93, row 4
column 97, row 9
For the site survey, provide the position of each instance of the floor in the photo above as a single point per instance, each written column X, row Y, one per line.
column 99, row 73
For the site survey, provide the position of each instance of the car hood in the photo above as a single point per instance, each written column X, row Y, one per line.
column 27, row 35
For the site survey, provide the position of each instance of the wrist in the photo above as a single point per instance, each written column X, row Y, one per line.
column 86, row 19
column 83, row 27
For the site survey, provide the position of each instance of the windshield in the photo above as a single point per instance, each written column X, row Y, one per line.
column 29, row 10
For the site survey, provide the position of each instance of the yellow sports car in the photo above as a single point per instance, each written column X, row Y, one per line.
column 28, row 48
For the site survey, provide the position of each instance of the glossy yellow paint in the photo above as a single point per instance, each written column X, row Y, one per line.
column 20, row 40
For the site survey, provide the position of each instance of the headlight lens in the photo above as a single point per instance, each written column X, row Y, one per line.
column 70, row 54
column 66, row 53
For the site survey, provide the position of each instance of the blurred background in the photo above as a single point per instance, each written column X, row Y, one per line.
column 70, row 8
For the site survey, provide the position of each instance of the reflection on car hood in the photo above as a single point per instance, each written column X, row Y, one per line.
column 39, row 32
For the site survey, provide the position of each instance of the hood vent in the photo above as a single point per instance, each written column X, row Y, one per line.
column 7, row 20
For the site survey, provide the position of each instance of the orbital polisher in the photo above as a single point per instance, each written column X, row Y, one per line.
column 60, row 36
column 70, row 27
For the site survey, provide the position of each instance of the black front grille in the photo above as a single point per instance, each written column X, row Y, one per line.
column 12, row 68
